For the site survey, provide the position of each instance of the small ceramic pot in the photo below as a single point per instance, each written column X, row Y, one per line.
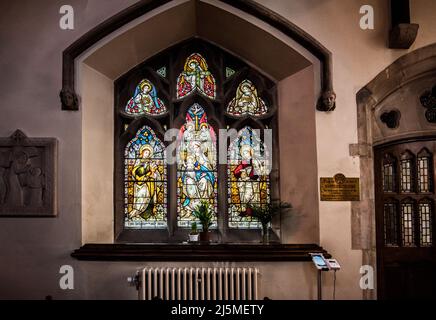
column 193, row 237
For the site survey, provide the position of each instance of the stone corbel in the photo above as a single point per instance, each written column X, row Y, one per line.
column 402, row 33
column 69, row 99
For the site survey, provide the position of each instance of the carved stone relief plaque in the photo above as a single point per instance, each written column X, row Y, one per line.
column 27, row 176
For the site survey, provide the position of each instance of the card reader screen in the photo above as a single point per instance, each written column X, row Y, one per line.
column 319, row 261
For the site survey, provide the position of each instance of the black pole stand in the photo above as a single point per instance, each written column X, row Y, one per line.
column 319, row 284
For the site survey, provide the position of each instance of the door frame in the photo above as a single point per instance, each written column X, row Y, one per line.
column 415, row 66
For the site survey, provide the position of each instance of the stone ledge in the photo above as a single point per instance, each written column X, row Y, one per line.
column 197, row 252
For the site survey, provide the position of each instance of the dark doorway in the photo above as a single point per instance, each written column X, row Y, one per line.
column 405, row 219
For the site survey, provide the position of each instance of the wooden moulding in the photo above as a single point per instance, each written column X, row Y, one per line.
column 197, row 252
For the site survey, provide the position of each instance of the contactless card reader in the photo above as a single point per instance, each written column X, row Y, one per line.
column 333, row 264
column 319, row 261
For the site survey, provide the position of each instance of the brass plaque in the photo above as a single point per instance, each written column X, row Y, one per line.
column 339, row 188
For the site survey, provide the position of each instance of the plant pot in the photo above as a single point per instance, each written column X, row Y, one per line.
column 205, row 236
column 193, row 237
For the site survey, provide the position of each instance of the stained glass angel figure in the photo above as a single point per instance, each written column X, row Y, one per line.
column 145, row 100
column 196, row 76
column 247, row 101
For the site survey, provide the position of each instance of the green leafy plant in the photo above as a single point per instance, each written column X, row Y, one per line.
column 194, row 229
column 265, row 213
column 204, row 213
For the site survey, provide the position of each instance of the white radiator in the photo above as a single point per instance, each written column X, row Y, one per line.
column 198, row 283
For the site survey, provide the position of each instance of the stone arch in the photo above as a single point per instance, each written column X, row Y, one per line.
column 194, row 13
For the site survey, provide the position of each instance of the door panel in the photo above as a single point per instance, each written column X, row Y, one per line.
column 405, row 219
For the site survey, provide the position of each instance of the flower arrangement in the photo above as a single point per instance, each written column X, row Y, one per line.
column 264, row 213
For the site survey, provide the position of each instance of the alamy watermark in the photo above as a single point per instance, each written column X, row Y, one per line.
column 252, row 150
column 367, row 20
column 66, row 282
column 66, row 21
column 366, row 281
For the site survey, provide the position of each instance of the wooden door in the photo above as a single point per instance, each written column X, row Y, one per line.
column 405, row 219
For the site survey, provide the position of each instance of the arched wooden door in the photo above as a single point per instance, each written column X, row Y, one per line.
column 405, row 219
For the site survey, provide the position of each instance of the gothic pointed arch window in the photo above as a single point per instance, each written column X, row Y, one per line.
column 175, row 106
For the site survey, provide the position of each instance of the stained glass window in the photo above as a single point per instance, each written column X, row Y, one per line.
column 390, row 223
column 196, row 77
column 389, row 173
column 196, row 165
column 247, row 101
column 406, row 165
column 424, row 158
column 425, row 223
column 145, row 181
column 162, row 72
column 229, row 72
column 248, row 172
column 189, row 87
column 407, row 224
column 145, row 100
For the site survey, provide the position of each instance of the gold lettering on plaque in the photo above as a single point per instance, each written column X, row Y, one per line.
column 339, row 188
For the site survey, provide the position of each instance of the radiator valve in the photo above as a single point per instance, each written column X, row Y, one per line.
column 134, row 281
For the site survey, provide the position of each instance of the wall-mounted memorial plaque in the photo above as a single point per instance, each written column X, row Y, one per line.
column 339, row 188
column 27, row 176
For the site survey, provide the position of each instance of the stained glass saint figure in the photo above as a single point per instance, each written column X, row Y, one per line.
column 247, row 101
column 196, row 76
column 196, row 167
column 145, row 100
column 145, row 180
column 248, row 173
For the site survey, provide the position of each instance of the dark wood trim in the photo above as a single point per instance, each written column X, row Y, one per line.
column 197, row 252
column 144, row 6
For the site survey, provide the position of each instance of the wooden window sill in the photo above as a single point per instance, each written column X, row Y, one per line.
column 197, row 252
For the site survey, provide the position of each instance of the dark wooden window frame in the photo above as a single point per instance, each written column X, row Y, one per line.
column 173, row 59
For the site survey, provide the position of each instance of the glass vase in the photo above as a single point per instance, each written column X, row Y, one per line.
column 265, row 233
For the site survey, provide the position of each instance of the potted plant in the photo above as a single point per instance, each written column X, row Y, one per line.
column 193, row 235
column 264, row 214
column 204, row 213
